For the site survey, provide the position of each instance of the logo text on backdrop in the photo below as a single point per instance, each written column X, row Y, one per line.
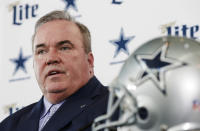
column 23, row 12
column 181, row 30
column 11, row 108
column 116, row 2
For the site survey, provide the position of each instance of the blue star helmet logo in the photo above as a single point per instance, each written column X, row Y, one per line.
column 155, row 64
column 19, row 62
column 70, row 3
column 121, row 43
column 154, row 67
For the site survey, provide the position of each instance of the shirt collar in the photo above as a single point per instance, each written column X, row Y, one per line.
column 48, row 105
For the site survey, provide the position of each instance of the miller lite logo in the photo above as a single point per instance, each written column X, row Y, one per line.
column 22, row 12
column 11, row 108
column 184, row 30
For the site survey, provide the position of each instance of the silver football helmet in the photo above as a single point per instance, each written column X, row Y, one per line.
column 157, row 89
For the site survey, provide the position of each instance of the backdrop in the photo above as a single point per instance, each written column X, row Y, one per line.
column 117, row 28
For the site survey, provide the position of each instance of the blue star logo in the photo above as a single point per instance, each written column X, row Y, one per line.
column 70, row 3
column 155, row 65
column 121, row 43
column 19, row 62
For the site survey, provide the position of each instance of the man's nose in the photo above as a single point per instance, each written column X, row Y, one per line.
column 52, row 58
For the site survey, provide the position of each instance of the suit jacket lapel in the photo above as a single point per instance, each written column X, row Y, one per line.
column 73, row 106
column 66, row 113
column 30, row 122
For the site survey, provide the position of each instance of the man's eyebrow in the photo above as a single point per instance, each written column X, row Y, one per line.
column 64, row 42
column 40, row 45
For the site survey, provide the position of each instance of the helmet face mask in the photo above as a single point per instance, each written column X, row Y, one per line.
column 157, row 89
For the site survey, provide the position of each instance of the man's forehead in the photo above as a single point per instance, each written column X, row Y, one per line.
column 56, row 31
column 55, row 27
column 57, row 23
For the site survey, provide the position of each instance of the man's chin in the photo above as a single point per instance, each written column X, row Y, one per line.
column 56, row 91
column 56, row 96
column 55, row 88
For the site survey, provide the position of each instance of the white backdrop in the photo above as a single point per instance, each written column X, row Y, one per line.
column 134, row 21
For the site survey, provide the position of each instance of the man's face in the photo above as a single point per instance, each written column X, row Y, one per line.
column 60, row 63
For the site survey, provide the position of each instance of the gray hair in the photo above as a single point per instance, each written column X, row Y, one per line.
column 63, row 15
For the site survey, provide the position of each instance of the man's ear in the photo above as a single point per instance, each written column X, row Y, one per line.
column 91, row 59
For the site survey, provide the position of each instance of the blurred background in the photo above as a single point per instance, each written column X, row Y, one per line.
column 117, row 28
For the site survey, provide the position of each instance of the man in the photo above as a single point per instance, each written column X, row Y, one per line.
column 63, row 65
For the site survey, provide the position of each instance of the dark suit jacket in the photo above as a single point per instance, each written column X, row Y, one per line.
column 76, row 114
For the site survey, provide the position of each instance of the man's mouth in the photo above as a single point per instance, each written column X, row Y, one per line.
column 54, row 72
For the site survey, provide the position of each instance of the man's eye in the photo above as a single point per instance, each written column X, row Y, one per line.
column 41, row 51
column 65, row 48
